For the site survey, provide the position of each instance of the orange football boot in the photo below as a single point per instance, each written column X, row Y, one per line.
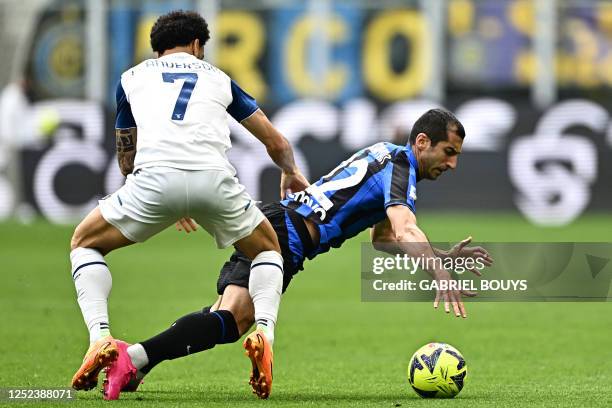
column 258, row 349
column 99, row 355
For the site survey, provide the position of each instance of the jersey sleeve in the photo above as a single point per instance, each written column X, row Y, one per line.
column 399, row 183
column 243, row 105
column 125, row 119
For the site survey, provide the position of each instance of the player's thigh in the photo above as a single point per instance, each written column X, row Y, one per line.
column 237, row 300
column 140, row 208
column 95, row 232
column 222, row 206
column 262, row 238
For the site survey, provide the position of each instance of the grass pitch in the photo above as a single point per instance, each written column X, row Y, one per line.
column 331, row 349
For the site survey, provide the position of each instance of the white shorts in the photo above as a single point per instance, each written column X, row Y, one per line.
column 154, row 198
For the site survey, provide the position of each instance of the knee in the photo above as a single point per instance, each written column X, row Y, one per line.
column 237, row 301
column 242, row 319
column 244, row 324
column 84, row 237
column 243, row 316
column 77, row 239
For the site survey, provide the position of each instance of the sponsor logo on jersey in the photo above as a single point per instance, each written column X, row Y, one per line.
column 304, row 198
column 413, row 193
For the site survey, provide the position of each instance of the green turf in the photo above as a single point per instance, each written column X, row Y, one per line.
column 331, row 349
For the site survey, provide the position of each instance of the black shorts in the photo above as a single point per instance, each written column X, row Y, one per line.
column 236, row 271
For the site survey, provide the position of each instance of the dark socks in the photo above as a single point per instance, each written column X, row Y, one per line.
column 190, row 334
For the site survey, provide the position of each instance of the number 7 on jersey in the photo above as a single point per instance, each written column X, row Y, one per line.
column 183, row 99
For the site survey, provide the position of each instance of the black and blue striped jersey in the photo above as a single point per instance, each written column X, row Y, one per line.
column 355, row 195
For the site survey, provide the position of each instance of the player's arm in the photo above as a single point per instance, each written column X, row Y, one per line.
column 403, row 235
column 245, row 110
column 126, row 149
column 279, row 150
column 399, row 233
column 125, row 132
column 383, row 239
column 278, row 147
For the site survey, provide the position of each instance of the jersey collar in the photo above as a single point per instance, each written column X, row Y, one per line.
column 176, row 54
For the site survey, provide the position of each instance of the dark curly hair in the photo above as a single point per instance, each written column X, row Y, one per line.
column 178, row 28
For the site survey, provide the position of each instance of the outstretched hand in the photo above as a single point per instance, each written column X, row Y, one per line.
column 462, row 250
column 451, row 297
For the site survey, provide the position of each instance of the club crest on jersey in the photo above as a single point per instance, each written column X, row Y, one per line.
column 303, row 198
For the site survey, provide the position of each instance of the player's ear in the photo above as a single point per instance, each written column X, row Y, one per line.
column 422, row 141
column 195, row 46
column 198, row 49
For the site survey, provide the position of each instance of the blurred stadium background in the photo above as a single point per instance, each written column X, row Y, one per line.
column 530, row 80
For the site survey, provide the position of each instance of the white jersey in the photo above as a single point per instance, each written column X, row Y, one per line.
column 179, row 105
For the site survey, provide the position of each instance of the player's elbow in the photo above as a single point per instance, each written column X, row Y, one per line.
column 408, row 234
column 401, row 237
column 384, row 242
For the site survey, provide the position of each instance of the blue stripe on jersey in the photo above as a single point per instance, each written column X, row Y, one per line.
column 400, row 183
column 294, row 241
column 125, row 119
column 355, row 195
column 243, row 105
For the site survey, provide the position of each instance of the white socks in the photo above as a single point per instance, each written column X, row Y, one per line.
column 93, row 283
column 265, row 288
column 138, row 355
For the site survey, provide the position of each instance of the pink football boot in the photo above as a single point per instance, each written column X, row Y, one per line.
column 119, row 374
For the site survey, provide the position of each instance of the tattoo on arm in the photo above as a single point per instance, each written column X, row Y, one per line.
column 126, row 149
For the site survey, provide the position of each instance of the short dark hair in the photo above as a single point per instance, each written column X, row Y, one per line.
column 178, row 28
column 436, row 123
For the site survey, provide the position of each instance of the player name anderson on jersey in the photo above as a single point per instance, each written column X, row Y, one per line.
column 179, row 105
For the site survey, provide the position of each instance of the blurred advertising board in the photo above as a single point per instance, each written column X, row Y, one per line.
column 333, row 80
column 551, row 166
